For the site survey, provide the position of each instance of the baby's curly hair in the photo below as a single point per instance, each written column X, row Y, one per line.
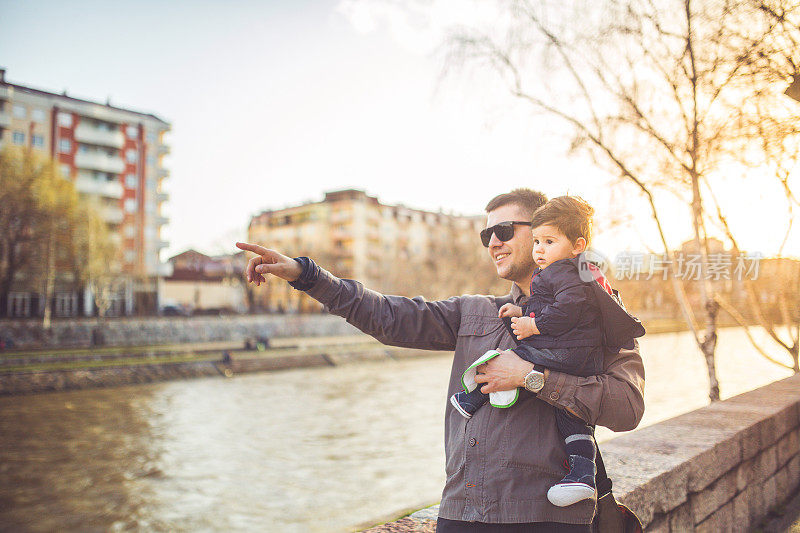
column 572, row 215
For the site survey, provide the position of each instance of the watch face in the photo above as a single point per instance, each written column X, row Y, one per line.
column 534, row 381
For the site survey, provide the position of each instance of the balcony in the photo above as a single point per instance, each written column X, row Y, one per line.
column 161, row 220
column 5, row 119
column 112, row 215
column 90, row 135
column 5, row 93
column 162, row 172
column 162, row 244
column 107, row 189
column 163, row 149
column 162, row 197
column 99, row 161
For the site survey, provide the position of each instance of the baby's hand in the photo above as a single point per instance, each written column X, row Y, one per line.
column 510, row 310
column 524, row 327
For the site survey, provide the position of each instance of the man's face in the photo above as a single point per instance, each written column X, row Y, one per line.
column 513, row 259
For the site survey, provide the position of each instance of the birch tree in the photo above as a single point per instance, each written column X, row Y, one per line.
column 668, row 95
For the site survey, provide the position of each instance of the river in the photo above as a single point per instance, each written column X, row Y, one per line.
column 318, row 450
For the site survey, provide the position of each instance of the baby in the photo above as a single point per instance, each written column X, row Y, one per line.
column 566, row 324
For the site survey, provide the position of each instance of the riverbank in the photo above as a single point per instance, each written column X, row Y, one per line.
column 37, row 371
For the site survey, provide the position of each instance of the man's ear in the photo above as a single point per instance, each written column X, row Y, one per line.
column 579, row 246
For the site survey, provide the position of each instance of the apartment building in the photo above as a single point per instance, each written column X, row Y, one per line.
column 390, row 248
column 114, row 156
column 202, row 284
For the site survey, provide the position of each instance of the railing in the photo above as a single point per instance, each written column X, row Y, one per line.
column 113, row 215
column 107, row 189
column 99, row 161
column 91, row 135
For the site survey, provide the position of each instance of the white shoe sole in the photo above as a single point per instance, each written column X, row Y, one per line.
column 565, row 494
column 459, row 408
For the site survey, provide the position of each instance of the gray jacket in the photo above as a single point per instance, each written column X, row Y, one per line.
column 501, row 462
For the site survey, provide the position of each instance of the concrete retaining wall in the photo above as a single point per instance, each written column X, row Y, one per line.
column 18, row 383
column 719, row 468
column 25, row 334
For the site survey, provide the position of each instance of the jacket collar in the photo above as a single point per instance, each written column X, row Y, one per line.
column 516, row 294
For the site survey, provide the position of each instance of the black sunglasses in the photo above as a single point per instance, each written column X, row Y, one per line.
column 503, row 230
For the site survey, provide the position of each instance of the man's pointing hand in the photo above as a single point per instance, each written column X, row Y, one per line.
column 269, row 262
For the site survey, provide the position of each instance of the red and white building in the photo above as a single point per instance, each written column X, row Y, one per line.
column 113, row 155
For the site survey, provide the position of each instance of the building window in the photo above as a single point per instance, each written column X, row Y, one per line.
column 131, row 181
column 82, row 148
column 152, row 137
column 38, row 115
column 132, row 156
column 19, row 304
column 19, row 137
column 64, row 146
column 130, row 205
column 19, row 111
column 66, row 304
column 66, row 170
column 65, row 120
column 133, row 132
column 37, row 141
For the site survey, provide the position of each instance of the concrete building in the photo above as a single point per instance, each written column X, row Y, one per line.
column 391, row 248
column 200, row 284
column 114, row 156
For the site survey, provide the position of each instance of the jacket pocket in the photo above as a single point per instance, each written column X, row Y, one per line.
column 530, row 438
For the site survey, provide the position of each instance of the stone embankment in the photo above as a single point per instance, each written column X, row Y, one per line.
column 723, row 467
column 88, row 352
column 84, row 332
column 23, row 372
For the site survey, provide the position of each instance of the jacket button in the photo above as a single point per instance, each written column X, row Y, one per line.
column 554, row 396
column 472, row 441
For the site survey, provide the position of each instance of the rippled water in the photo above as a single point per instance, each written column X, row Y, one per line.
column 303, row 450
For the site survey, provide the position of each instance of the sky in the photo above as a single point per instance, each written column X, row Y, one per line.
column 272, row 103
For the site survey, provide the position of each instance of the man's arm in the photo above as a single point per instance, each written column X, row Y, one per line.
column 393, row 320
column 614, row 399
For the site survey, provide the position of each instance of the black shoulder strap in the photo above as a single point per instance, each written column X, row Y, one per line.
column 604, row 483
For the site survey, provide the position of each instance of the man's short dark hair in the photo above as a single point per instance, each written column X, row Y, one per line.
column 572, row 215
column 527, row 199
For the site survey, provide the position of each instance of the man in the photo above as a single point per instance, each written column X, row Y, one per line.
column 500, row 462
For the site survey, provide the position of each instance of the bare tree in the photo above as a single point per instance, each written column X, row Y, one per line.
column 37, row 212
column 669, row 95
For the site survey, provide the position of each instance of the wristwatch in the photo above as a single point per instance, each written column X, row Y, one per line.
column 534, row 381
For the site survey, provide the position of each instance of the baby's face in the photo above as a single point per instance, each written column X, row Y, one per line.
column 550, row 245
